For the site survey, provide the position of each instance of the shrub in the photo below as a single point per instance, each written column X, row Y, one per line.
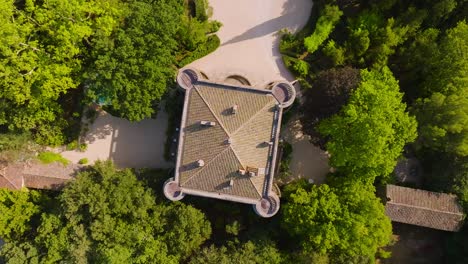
column 83, row 147
column 325, row 24
column 214, row 26
column 72, row 145
column 301, row 67
column 201, row 7
column 11, row 141
column 83, row 161
column 49, row 157
column 211, row 45
column 336, row 54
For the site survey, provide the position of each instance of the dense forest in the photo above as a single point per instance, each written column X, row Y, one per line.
column 382, row 80
column 58, row 56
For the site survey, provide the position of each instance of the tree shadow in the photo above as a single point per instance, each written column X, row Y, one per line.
column 100, row 129
column 263, row 29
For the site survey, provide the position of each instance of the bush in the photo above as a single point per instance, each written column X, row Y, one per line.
column 49, row 157
column 286, row 158
column 83, row 147
column 49, row 135
column 301, row 67
column 211, row 45
column 329, row 16
column 336, row 54
column 83, row 161
column 201, row 7
column 214, row 26
column 11, row 141
column 14, row 147
column 72, row 145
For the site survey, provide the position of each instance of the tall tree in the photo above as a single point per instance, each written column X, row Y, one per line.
column 40, row 60
column 133, row 67
column 443, row 115
column 107, row 216
column 329, row 16
column 329, row 93
column 344, row 220
column 368, row 135
column 17, row 207
column 249, row 252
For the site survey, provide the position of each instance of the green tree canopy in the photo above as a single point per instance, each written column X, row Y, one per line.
column 247, row 253
column 343, row 220
column 40, row 60
column 329, row 16
column 368, row 135
column 132, row 68
column 17, row 207
column 107, row 216
column 329, row 93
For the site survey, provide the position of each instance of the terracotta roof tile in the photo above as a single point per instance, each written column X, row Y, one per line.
column 200, row 142
column 215, row 177
column 222, row 100
column 43, row 182
column 249, row 131
column 423, row 208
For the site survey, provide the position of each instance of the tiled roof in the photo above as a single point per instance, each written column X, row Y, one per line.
column 36, row 175
column 423, row 208
column 249, row 130
column 12, row 176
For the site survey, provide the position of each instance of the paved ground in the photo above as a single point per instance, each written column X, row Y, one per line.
column 308, row 162
column 136, row 145
column 249, row 47
column 249, row 39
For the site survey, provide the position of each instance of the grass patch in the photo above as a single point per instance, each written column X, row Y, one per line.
column 49, row 157
column 83, row 161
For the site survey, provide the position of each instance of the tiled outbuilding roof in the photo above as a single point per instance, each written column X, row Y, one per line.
column 36, row 175
column 423, row 208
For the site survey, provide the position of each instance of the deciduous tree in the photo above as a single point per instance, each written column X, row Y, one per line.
column 344, row 220
column 369, row 133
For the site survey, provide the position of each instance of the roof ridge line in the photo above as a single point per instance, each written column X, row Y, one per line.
column 4, row 175
column 245, row 167
column 212, row 112
column 205, row 166
column 237, row 156
column 426, row 208
column 252, row 117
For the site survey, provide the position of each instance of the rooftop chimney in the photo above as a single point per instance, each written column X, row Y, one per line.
column 234, row 109
column 207, row 123
column 200, row 163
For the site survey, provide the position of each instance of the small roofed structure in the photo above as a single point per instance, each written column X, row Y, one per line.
column 34, row 175
column 423, row 208
column 234, row 128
